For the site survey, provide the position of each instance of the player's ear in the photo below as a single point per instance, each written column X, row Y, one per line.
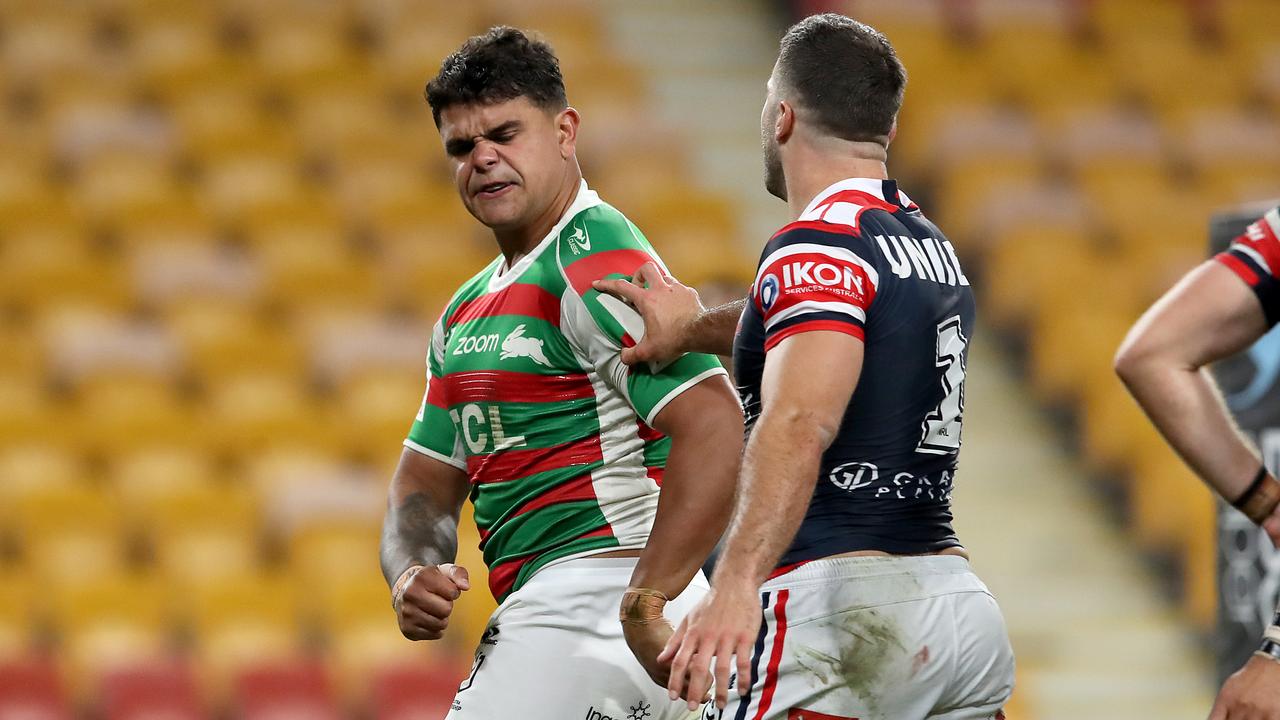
column 893, row 132
column 567, row 122
column 786, row 122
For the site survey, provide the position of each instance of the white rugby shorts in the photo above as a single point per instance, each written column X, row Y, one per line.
column 877, row 638
column 553, row 650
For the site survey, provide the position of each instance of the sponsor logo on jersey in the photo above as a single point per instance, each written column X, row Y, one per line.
column 579, row 239
column 768, row 291
column 854, row 475
column 807, row 273
column 468, row 344
column 517, row 346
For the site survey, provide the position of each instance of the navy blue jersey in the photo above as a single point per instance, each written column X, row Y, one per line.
column 1255, row 257
column 863, row 260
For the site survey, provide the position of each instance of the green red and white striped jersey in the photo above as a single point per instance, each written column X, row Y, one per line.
column 527, row 394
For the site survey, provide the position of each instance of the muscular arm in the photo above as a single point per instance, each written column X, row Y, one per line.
column 705, row 426
column 808, row 380
column 712, row 330
column 1207, row 316
column 421, row 524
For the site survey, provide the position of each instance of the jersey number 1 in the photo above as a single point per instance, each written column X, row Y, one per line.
column 941, row 427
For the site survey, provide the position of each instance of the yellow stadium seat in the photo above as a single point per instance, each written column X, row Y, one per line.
column 335, row 551
column 250, row 412
column 377, row 406
column 19, row 614
column 28, row 413
column 304, row 50
column 1160, row 68
column 222, row 340
column 56, row 263
column 243, row 622
column 123, row 185
column 173, row 52
column 156, row 471
column 26, row 194
column 244, row 188
column 311, row 265
column 695, row 233
column 364, row 636
column 201, row 535
column 1075, row 338
column 418, row 36
column 116, row 412
column 34, row 469
column 110, row 623
column 70, row 534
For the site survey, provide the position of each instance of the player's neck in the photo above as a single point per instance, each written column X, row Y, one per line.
column 515, row 243
column 812, row 170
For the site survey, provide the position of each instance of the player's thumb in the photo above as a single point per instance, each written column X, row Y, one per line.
column 457, row 574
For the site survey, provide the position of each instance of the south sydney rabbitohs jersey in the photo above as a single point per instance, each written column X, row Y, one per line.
column 1255, row 258
column 526, row 394
column 864, row 261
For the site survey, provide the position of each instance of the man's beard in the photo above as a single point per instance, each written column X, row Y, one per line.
column 774, row 180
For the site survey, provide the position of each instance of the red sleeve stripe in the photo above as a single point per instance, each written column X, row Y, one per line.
column 1238, row 267
column 583, row 272
column 814, row 326
column 436, row 393
column 813, row 306
column 819, row 225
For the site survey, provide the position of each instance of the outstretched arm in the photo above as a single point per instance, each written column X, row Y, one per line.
column 420, row 541
column 1209, row 315
column 675, row 321
column 808, row 381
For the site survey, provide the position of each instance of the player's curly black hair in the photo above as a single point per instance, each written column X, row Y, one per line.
column 846, row 73
column 500, row 65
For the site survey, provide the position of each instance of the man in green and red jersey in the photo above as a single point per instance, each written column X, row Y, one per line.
column 561, row 447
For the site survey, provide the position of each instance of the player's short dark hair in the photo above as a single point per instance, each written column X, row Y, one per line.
column 845, row 73
column 500, row 65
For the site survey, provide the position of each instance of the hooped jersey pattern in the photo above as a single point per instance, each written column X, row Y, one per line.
column 1255, row 258
column 527, row 395
column 863, row 260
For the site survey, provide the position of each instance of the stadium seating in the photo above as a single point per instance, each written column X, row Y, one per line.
column 226, row 229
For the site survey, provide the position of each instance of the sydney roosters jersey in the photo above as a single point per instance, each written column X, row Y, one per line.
column 864, row 261
column 1255, row 257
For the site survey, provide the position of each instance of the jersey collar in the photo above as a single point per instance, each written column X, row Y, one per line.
column 886, row 190
column 502, row 277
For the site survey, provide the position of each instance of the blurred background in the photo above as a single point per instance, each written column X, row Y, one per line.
column 226, row 228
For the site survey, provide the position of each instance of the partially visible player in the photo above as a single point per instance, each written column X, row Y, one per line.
column 1217, row 310
column 850, row 358
column 528, row 411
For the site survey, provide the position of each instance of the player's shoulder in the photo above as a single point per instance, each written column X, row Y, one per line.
column 599, row 242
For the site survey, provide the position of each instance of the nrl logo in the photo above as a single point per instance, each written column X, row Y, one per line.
column 517, row 346
column 580, row 240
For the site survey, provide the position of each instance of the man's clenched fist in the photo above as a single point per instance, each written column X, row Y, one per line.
column 423, row 598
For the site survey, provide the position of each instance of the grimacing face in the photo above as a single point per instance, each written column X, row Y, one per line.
column 774, row 180
column 506, row 159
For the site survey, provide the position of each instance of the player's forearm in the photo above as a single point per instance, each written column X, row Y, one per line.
column 712, row 331
column 416, row 531
column 1184, row 404
column 779, row 471
column 695, row 502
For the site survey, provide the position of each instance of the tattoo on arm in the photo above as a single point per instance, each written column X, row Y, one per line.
column 417, row 532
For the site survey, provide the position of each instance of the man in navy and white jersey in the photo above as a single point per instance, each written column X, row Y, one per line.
column 863, row 261
column 1217, row 310
column 850, row 355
